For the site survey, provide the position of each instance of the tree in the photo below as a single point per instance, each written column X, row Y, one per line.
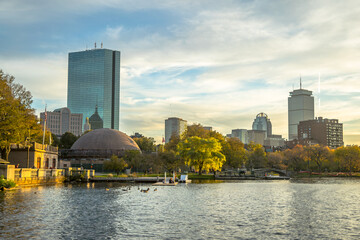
column 115, row 164
column 197, row 130
column 234, row 152
column 201, row 153
column 295, row 158
column 55, row 140
column 349, row 157
column 256, row 156
column 146, row 144
column 67, row 140
column 16, row 114
column 172, row 144
column 276, row 160
column 169, row 161
column 318, row 155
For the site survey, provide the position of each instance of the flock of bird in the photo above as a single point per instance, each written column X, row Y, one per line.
column 129, row 188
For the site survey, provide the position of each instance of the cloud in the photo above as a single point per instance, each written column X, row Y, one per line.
column 217, row 63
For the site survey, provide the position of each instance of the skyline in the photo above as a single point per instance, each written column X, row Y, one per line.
column 205, row 62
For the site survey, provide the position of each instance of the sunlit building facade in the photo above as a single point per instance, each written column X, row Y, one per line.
column 300, row 108
column 94, row 80
column 174, row 126
column 62, row 120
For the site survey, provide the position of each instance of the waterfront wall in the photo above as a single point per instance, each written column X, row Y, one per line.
column 22, row 176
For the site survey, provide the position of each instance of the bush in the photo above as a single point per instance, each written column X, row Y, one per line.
column 6, row 183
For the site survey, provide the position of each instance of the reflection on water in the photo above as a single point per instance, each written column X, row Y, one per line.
column 297, row 209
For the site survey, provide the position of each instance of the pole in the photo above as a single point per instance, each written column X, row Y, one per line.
column 28, row 160
column 44, row 128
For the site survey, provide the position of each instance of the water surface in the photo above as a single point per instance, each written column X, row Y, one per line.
column 303, row 209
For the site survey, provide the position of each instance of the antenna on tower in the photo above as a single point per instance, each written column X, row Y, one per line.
column 319, row 95
column 300, row 82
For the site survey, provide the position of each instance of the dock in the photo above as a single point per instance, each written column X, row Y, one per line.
column 128, row 179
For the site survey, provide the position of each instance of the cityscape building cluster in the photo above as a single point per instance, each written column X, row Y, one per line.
column 303, row 127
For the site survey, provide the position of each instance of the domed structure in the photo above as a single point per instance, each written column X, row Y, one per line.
column 92, row 149
column 105, row 139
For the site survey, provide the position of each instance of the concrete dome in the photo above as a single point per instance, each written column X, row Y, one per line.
column 105, row 139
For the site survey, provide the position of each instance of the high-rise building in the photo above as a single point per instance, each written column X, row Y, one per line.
column 327, row 132
column 174, row 126
column 241, row 134
column 94, row 80
column 262, row 122
column 62, row 120
column 300, row 108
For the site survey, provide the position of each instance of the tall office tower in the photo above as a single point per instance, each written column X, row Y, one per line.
column 300, row 108
column 241, row 134
column 174, row 126
column 262, row 122
column 327, row 132
column 94, row 80
column 62, row 120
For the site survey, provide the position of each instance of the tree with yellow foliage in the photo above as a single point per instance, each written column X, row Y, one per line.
column 204, row 154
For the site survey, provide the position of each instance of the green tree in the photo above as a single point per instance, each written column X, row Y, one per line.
column 172, row 144
column 197, row 130
column 317, row 155
column 115, row 164
column 55, row 140
column 16, row 114
column 202, row 154
column 67, row 140
column 170, row 161
column 256, row 156
column 146, row 144
column 234, row 152
column 349, row 157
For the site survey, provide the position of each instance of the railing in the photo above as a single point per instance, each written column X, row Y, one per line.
column 30, row 173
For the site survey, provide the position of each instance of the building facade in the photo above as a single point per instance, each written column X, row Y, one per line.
column 94, row 80
column 327, row 132
column 300, row 108
column 34, row 156
column 241, row 134
column 174, row 126
column 262, row 122
column 256, row 136
column 62, row 120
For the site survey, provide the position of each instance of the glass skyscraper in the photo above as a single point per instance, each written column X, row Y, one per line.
column 94, row 80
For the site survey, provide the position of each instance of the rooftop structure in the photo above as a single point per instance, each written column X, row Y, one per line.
column 262, row 122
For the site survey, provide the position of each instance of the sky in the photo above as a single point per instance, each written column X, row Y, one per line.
column 217, row 63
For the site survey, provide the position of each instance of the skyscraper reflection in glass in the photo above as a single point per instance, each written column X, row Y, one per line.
column 94, row 80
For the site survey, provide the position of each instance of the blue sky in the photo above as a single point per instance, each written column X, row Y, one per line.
column 217, row 63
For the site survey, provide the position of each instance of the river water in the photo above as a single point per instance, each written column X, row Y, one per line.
column 301, row 209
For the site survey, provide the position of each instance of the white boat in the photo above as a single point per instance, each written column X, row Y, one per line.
column 184, row 179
